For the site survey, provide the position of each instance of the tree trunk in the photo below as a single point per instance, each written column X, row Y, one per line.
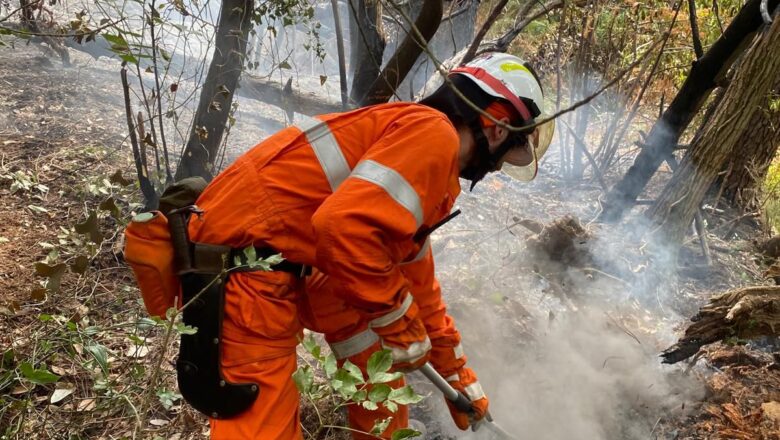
column 427, row 22
column 693, row 93
column 216, row 96
column 366, row 45
column 758, row 147
column 721, row 139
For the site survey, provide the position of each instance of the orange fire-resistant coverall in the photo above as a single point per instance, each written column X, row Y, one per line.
column 343, row 193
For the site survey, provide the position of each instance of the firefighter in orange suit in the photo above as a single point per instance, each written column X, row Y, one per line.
column 354, row 196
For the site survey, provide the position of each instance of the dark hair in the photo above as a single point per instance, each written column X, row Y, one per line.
column 457, row 110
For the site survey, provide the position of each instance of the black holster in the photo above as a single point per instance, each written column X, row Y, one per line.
column 198, row 367
column 201, row 269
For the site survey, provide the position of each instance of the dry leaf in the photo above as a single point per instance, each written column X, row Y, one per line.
column 60, row 393
column 86, row 405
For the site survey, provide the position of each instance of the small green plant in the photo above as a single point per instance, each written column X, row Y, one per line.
column 346, row 385
column 25, row 181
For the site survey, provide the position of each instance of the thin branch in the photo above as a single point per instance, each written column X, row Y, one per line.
column 168, row 175
column 505, row 40
column 697, row 47
column 584, row 148
column 484, row 30
column 61, row 35
column 342, row 61
column 557, row 114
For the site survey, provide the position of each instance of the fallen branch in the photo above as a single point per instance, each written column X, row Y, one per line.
column 744, row 313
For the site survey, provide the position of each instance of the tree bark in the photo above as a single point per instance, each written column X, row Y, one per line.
column 721, row 139
column 750, row 163
column 745, row 313
column 216, row 96
column 663, row 136
column 427, row 22
column 366, row 45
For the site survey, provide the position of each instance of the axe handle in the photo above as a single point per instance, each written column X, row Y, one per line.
column 458, row 399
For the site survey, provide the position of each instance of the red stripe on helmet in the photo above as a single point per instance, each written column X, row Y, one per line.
column 494, row 83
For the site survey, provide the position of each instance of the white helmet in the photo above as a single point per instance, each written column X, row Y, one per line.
column 507, row 77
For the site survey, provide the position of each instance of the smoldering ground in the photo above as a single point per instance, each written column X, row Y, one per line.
column 564, row 350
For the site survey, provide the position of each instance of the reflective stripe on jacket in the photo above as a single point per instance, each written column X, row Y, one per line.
column 345, row 193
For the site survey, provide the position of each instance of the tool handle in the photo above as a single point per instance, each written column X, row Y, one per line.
column 458, row 399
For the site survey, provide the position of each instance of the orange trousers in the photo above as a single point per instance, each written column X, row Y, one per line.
column 265, row 313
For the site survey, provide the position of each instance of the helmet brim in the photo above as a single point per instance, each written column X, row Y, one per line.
column 516, row 163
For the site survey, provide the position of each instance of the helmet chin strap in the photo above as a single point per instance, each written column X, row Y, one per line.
column 483, row 161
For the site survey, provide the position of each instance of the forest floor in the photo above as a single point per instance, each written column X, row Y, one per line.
column 564, row 329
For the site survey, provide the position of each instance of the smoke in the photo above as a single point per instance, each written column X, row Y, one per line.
column 563, row 351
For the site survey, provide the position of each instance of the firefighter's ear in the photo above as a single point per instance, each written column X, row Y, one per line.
column 496, row 134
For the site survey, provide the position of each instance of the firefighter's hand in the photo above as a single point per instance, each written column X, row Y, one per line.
column 405, row 336
column 465, row 381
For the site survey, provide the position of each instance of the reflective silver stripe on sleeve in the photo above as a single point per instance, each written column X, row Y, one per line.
column 458, row 351
column 354, row 345
column 453, row 378
column 474, row 391
column 420, row 255
column 393, row 183
column 394, row 315
column 327, row 150
column 414, row 352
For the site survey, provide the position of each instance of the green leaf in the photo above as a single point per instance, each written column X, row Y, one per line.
column 304, row 379
column 184, row 329
column 118, row 42
column 251, row 256
column 360, row 396
column 400, row 434
column 379, row 362
column 330, row 365
column 285, row 65
column 404, row 396
column 168, row 398
column 274, row 259
column 129, row 58
column 386, row 377
column 309, row 343
column 37, row 376
column 353, row 371
column 7, row 359
column 369, row 405
column 380, row 426
column 392, row 407
column 379, row 393
column 100, row 354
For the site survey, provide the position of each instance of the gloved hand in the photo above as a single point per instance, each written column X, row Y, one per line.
column 465, row 381
column 403, row 333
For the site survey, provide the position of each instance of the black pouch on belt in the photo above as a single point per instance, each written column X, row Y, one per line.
column 199, row 373
column 201, row 271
